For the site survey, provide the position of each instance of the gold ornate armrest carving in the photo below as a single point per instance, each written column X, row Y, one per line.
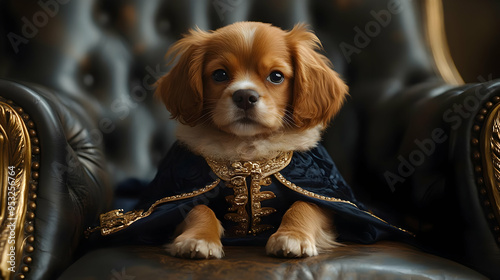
column 19, row 164
column 486, row 159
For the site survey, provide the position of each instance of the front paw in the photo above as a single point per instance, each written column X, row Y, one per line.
column 193, row 248
column 291, row 245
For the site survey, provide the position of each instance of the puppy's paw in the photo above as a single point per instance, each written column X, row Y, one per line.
column 291, row 245
column 193, row 248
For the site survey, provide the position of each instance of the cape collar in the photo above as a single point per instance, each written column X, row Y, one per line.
column 226, row 169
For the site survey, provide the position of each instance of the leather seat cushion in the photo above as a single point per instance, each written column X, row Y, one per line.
column 384, row 260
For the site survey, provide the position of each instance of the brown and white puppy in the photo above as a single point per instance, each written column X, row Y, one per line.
column 248, row 91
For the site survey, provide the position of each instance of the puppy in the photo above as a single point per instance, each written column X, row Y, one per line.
column 248, row 92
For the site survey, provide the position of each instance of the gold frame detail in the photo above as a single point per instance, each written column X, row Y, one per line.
column 490, row 148
column 19, row 154
column 485, row 157
column 436, row 36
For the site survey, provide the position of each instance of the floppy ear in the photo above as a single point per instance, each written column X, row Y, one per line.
column 318, row 91
column 181, row 89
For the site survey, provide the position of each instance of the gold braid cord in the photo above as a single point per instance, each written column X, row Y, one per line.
column 115, row 220
column 18, row 174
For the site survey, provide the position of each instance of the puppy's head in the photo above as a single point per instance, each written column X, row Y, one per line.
column 251, row 78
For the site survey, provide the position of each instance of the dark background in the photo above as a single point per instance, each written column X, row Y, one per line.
column 473, row 33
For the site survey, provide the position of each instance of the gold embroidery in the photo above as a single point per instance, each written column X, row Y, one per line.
column 115, row 220
column 298, row 189
column 235, row 175
column 238, row 203
column 227, row 170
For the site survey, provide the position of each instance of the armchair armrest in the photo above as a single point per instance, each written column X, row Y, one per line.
column 54, row 182
column 438, row 164
column 477, row 168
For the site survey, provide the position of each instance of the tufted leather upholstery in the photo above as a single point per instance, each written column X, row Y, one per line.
column 107, row 54
column 92, row 65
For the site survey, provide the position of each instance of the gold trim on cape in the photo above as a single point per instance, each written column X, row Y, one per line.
column 234, row 174
column 115, row 220
column 300, row 190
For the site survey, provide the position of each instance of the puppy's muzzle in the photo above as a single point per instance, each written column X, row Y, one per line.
column 245, row 98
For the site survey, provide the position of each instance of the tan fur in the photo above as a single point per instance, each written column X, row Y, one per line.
column 311, row 94
column 288, row 116
column 305, row 230
column 199, row 235
column 181, row 89
column 318, row 91
column 212, row 143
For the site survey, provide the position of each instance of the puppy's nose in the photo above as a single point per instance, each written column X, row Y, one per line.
column 245, row 98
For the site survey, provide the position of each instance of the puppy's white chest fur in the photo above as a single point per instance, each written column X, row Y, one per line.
column 208, row 142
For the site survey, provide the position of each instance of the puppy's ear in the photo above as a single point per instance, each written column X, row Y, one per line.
column 181, row 89
column 318, row 91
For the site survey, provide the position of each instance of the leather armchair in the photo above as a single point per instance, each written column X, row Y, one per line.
column 78, row 120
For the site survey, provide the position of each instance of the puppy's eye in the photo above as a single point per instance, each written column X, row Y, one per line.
column 276, row 77
column 220, row 75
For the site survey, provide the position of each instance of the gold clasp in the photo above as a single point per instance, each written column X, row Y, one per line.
column 115, row 220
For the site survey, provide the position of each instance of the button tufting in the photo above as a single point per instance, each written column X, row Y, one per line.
column 88, row 80
column 103, row 19
column 164, row 26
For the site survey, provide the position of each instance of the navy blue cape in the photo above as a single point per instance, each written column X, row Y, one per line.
column 185, row 180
